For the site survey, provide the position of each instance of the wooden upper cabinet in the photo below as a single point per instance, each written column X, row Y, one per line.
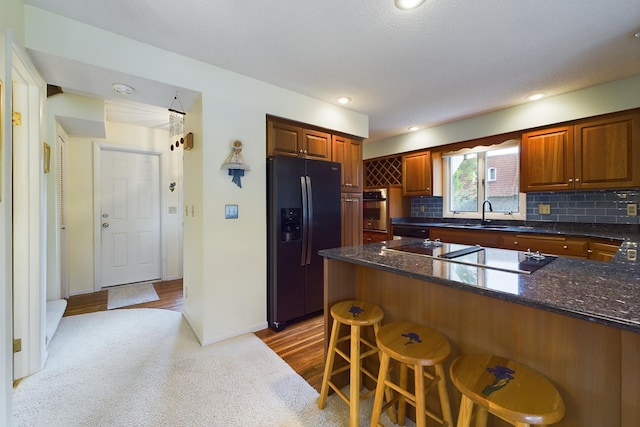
column 290, row 140
column 608, row 152
column 546, row 159
column 316, row 145
column 283, row 138
column 416, row 174
column 348, row 152
column 601, row 153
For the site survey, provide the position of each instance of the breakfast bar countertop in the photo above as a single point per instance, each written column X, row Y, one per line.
column 606, row 293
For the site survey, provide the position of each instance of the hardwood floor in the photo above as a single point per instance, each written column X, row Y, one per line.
column 300, row 344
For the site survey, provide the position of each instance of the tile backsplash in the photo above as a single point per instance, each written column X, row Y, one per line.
column 603, row 206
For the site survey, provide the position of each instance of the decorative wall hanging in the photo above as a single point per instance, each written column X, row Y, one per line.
column 235, row 164
column 176, row 118
column 186, row 142
column 172, row 186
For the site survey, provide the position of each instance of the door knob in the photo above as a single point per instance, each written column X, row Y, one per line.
column 105, row 225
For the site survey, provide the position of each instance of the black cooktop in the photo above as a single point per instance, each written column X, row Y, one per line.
column 498, row 259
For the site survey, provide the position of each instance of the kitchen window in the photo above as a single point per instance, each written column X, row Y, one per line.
column 473, row 175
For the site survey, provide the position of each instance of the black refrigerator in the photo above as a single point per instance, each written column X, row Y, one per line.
column 303, row 217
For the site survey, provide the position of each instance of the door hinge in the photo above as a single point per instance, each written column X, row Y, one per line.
column 16, row 119
column 17, row 345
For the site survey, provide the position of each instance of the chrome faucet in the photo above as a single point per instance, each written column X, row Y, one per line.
column 486, row 221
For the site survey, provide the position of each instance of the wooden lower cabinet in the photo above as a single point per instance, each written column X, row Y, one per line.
column 466, row 237
column 351, row 219
column 548, row 244
column 603, row 250
column 374, row 236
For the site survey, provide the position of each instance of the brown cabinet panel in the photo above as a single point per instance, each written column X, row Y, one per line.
column 606, row 152
column 351, row 219
column 283, row 139
column 348, row 152
column 553, row 245
column 316, row 144
column 601, row 153
column 546, row 160
column 603, row 250
column 416, row 174
column 466, row 237
column 374, row 237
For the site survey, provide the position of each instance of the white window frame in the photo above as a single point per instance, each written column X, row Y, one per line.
column 446, row 213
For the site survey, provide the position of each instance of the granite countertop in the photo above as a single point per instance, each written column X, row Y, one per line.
column 606, row 293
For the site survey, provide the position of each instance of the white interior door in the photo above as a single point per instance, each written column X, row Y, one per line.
column 129, row 217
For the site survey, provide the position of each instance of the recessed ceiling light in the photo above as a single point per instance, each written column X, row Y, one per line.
column 344, row 100
column 637, row 35
column 122, row 89
column 413, row 128
column 408, row 4
column 535, row 96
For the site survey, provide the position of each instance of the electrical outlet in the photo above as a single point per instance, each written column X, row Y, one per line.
column 544, row 209
column 632, row 209
column 632, row 254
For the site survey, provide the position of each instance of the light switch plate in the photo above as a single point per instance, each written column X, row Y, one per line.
column 230, row 211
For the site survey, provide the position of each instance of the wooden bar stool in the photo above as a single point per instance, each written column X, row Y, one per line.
column 506, row 389
column 356, row 314
column 417, row 347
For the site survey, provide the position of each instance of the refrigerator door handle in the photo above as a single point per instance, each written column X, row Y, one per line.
column 309, row 219
column 305, row 214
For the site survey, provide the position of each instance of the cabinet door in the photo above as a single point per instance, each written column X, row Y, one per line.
column 546, row 160
column 351, row 219
column 283, row 139
column 603, row 250
column 348, row 152
column 608, row 152
column 316, row 145
column 416, row 174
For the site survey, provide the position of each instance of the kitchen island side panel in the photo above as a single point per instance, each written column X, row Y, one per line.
column 583, row 359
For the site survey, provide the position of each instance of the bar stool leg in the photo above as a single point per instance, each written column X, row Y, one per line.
column 402, row 402
column 466, row 409
column 481, row 416
column 421, row 417
column 355, row 378
column 444, row 395
column 328, row 367
column 387, row 391
column 380, row 386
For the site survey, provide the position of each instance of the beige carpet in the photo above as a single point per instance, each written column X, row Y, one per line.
column 126, row 295
column 144, row 367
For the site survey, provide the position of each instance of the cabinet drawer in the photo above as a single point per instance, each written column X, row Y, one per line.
column 374, row 237
column 554, row 245
column 603, row 250
column 466, row 237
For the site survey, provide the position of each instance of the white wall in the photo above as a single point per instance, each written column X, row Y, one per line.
column 80, row 208
column 614, row 96
column 229, row 274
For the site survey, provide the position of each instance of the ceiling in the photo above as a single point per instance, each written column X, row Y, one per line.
column 447, row 60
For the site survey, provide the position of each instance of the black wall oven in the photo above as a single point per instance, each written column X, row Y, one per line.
column 375, row 209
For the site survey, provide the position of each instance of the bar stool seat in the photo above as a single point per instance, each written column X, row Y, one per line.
column 506, row 389
column 355, row 314
column 417, row 347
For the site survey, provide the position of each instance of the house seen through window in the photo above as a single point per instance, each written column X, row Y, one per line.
column 484, row 173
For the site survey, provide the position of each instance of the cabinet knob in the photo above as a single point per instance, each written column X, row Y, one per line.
column 348, row 184
column 565, row 247
column 570, row 179
column 515, row 243
column 301, row 151
column 577, row 179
